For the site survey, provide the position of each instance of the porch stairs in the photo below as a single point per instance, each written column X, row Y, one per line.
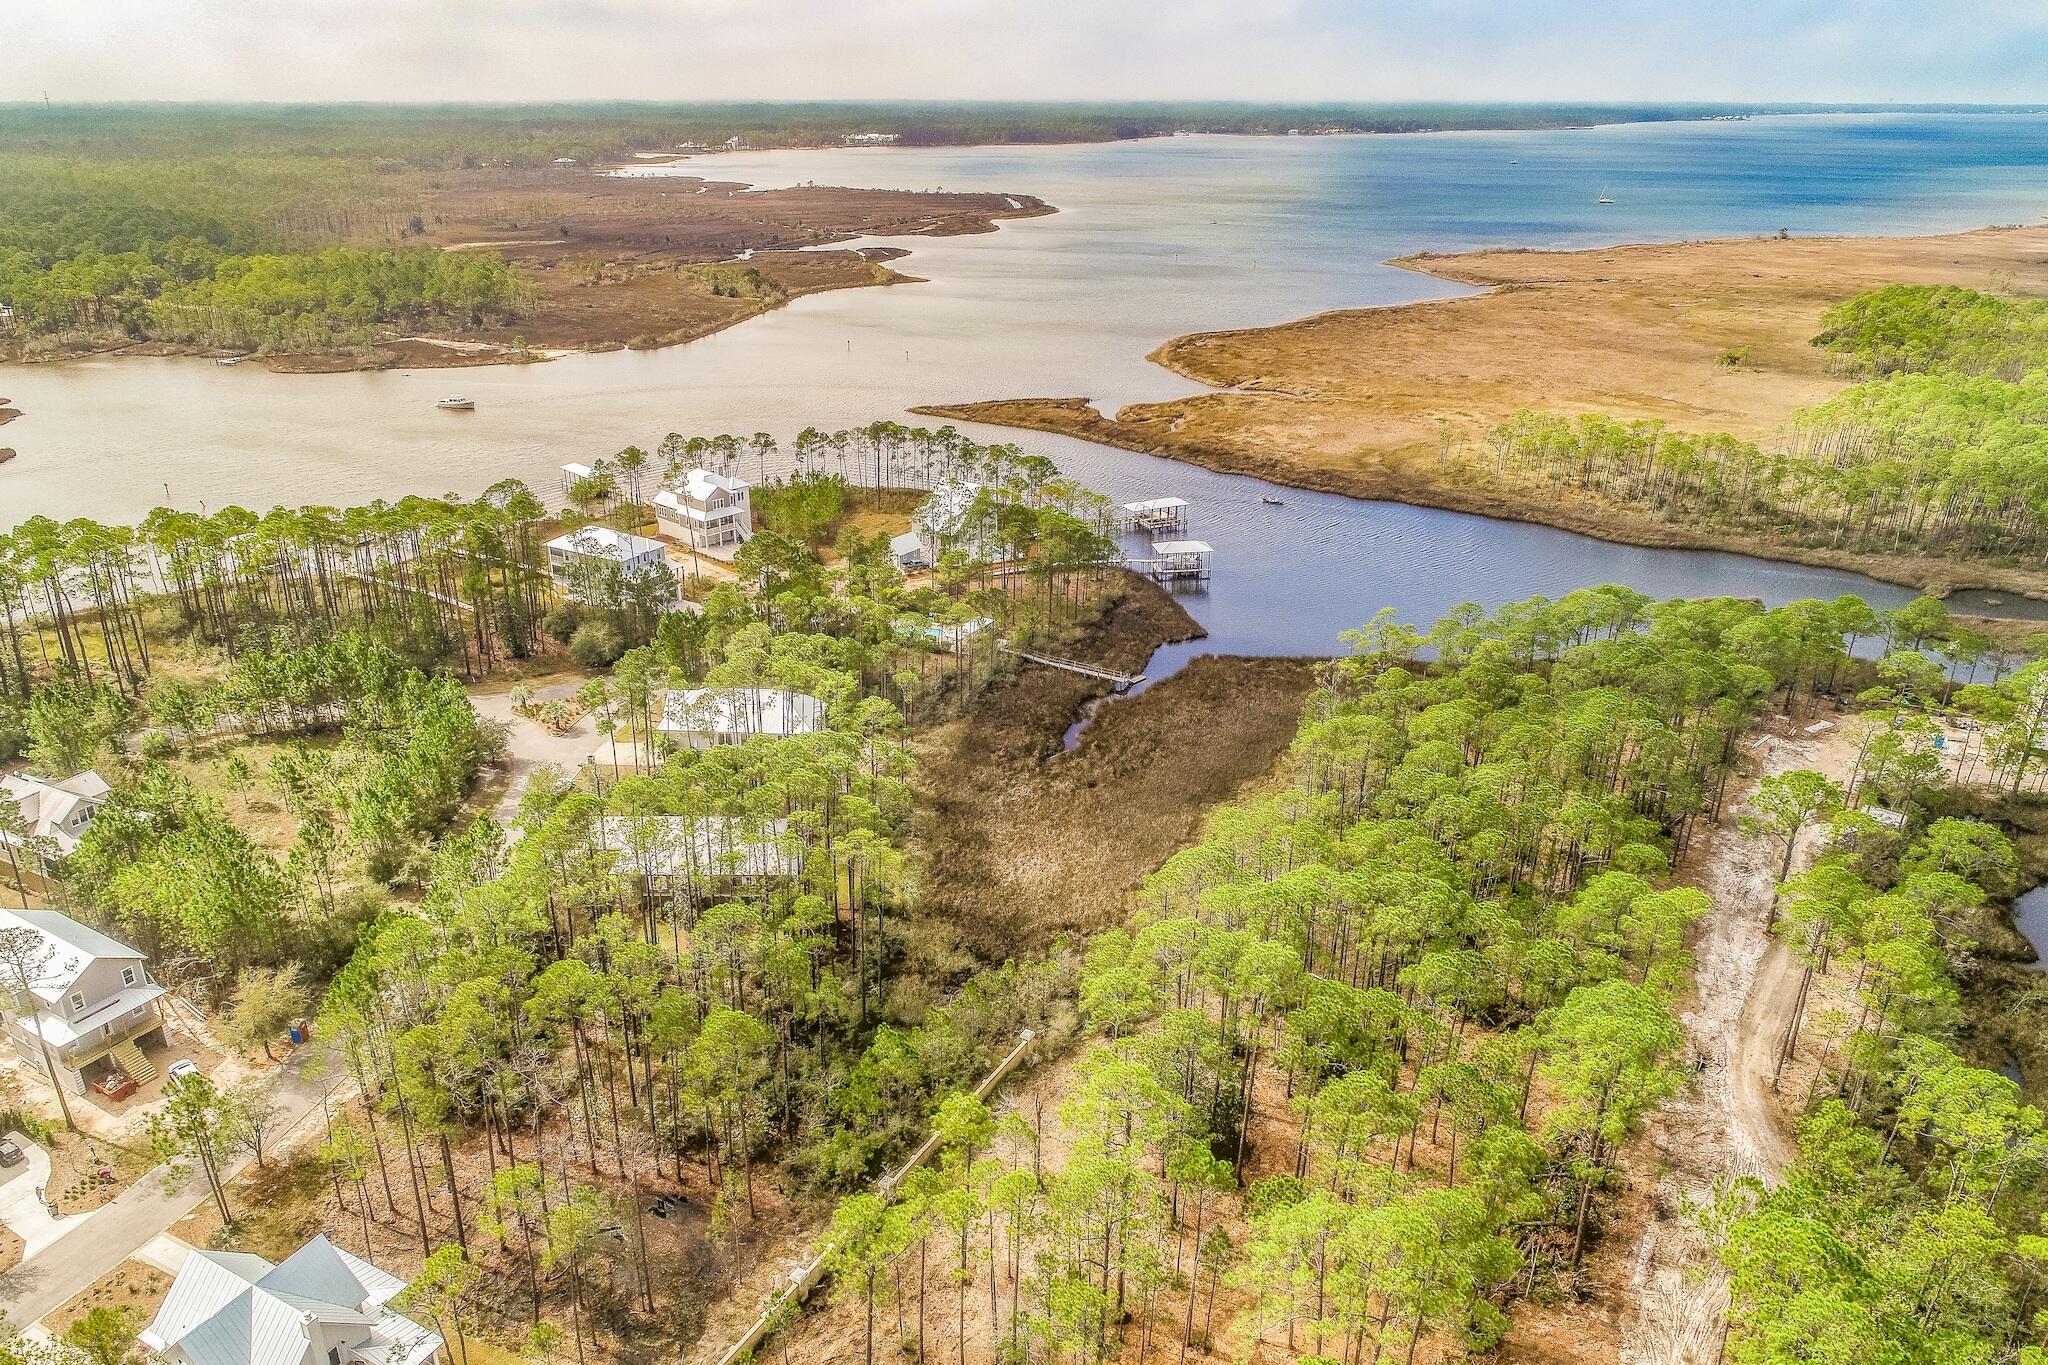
column 140, row 1069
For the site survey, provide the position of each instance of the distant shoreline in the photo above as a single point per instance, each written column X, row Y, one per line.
column 1358, row 401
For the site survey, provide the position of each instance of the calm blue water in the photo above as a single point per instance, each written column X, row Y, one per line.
column 1153, row 239
column 2030, row 917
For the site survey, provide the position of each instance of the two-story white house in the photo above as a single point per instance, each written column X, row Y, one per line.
column 592, row 563
column 706, row 511
column 319, row 1306
column 89, row 996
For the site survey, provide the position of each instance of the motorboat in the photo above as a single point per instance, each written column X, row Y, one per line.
column 457, row 404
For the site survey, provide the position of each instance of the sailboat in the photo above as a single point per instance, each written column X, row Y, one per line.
column 1604, row 199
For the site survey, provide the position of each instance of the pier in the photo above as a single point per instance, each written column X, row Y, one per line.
column 1123, row 682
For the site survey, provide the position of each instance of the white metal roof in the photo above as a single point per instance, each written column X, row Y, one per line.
column 228, row 1308
column 943, row 513
column 741, row 711
column 578, row 471
column 1183, row 547
column 61, row 1031
column 669, row 846
column 700, row 484
column 1156, row 505
column 602, row 542
column 48, row 806
column 69, row 948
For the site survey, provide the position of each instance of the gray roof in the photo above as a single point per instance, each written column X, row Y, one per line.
column 229, row 1308
column 71, row 947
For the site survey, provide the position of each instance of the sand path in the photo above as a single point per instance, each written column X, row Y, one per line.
column 1728, row 1123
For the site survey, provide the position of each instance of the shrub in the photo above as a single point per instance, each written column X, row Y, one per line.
column 596, row 644
column 561, row 623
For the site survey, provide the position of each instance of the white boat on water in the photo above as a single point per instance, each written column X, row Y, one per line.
column 229, row 359
column 1604, row 199
column 457, row 404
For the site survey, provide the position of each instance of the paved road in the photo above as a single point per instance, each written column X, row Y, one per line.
column 529, row 748
column 140, row 1212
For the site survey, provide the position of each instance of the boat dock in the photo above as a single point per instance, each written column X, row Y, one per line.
column 1154, row 515
column 1178, row 561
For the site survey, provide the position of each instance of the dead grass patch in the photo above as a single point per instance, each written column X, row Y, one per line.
column 1353, row 402
column 1021, row 840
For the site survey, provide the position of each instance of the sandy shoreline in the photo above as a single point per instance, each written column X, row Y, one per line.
column 1361, row 402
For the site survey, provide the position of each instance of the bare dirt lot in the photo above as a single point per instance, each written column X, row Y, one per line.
column 1357, row 402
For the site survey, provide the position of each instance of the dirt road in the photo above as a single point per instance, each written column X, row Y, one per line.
column 1728, row 1122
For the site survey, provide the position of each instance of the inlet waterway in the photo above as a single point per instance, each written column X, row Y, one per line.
column 1153, row 239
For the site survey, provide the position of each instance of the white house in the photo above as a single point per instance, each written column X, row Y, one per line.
column 942, row 522
column 667, row 849
column 321, row 1306
column 705, row 510
column 57, row 811
column 706, row 716
column 89, row 996
column 583, row 562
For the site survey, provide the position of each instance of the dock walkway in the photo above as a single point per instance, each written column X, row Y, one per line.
column 1123, row 681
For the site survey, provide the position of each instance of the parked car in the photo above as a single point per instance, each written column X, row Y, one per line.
column 181, row 1070
column 10, row 1152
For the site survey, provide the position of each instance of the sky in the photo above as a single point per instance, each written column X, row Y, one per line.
column 1980, row 51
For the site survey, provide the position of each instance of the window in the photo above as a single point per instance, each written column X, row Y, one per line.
column 77, row 1002
column 127, row 976
column 334, row 1355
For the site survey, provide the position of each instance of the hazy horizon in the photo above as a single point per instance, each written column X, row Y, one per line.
column 1291, row 51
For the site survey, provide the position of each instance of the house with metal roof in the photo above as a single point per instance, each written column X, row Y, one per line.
column 703, row 717
column 90, row 998
column 320, row 1306
column 706, row 511
column 697, row 851
column 591, row 563
column 56, row 811
column 946, row 521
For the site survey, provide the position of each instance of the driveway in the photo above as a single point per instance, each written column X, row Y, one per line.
column 21, row 1202
column 530, row 746
column 144, row 1210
